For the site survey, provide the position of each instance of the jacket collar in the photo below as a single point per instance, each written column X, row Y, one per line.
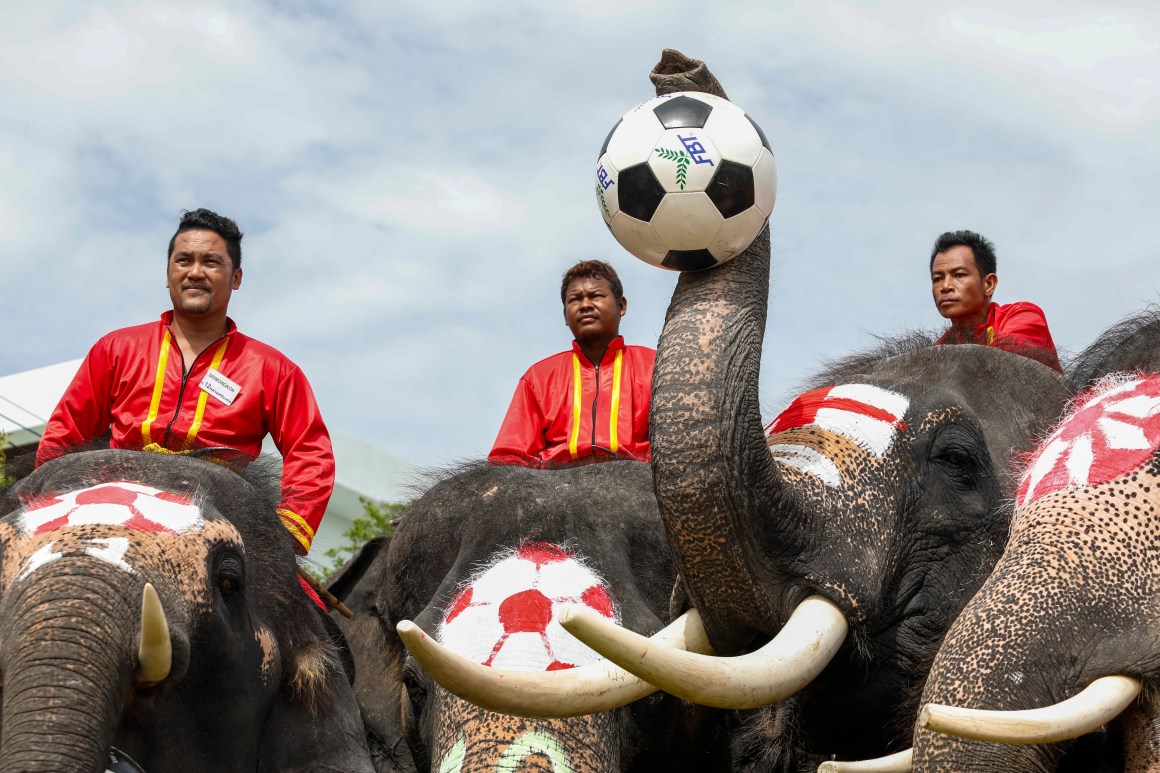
column 231, row 326
column 613, row 347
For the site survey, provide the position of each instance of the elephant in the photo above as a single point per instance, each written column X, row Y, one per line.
column 484, row 560
column 861, row 522
column 150, row 604
column 1074, row 601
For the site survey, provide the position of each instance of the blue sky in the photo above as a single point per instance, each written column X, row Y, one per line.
column 413, row 178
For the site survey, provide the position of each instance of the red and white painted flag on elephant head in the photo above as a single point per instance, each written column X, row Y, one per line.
column 507, row 616
column 1111, row 430
column 868, row 415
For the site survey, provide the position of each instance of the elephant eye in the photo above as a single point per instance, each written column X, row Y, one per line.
column 229, row 575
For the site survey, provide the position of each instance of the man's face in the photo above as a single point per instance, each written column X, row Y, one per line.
column 959, row 291
column 201, row 275
column 590, row 309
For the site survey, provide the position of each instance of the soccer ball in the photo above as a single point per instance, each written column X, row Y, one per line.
column 507, row 616
column 686, row 181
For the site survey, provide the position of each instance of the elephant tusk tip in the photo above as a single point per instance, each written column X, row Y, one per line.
column 407, row 628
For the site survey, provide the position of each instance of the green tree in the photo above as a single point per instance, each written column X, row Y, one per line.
column 378, row 518
column 5, row 479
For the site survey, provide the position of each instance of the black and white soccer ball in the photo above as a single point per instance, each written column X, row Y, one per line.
column 686, row 181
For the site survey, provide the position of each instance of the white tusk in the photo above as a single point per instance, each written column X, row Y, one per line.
column 893, row 763
column 569, row 692
column 1100, row 703
column 789, row 662
column 154, row 649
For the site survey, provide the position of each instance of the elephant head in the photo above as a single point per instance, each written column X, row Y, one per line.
column 484, row 561
column 150, row 603
column 1073, row 606
column 882, row 491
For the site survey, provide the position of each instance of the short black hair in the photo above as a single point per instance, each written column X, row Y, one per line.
column 981, row 248
column 207, row 220
column 595, row 269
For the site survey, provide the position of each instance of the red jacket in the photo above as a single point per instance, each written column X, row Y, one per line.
column 1018, row 327
column 131, row 383
column 564, row 408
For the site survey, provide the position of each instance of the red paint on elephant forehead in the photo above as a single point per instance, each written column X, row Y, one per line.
column 1112, row 431
column 507, row 616
column 868, row 415
column 117, row 503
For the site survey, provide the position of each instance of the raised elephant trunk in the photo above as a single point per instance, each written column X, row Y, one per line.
column 66, row 673
column 708, row 447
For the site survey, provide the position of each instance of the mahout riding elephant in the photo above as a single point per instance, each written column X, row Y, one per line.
column 861, row 525
column 475, row 577
column 151, row 604
column 1073, row 605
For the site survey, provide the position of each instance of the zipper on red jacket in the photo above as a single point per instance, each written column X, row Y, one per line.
column 595, row 399
column 184, row 379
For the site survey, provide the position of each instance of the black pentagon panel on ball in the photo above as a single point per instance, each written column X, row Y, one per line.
column 640, row 192
column 683, row 113
column 689, row 260
column 760, row 133
column 604, row 147
column 731, row 188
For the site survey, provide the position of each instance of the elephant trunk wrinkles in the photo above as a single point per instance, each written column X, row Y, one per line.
column 708, row 448
column 67, row 668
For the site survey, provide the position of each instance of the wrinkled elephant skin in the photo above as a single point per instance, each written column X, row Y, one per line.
column 254, row 681
column 885, row 488
column 484, row 562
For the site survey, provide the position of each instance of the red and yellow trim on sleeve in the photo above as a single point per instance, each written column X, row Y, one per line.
column 158, row 386
column 613, row 445
column 199, row 414
column 577, row 387
column 298, row 528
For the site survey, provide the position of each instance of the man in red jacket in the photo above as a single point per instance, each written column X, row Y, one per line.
column 588, row 403
column 193, row 381
column 963, row 279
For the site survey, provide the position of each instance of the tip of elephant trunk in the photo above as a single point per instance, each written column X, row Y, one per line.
column 154, row 646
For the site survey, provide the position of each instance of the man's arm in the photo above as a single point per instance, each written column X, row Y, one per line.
column 1023, row 330
column 307, row 458
column 83, row 413
column 521, row 436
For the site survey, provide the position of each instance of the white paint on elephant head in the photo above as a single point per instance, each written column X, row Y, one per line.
column 507, row 615
column 1016, row 677
column 117, row 503
column 868, row 415
column 1111, row 430
column 111, row 550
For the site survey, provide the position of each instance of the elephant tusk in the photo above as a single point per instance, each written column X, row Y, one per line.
column 893, row 763
column 1101, row 702
column 154, row 648
column 787, row 663
column 569, row 692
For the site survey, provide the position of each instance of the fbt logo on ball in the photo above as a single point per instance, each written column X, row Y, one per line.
column 508, row 615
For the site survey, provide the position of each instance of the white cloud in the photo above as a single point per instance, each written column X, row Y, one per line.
column 413, row 178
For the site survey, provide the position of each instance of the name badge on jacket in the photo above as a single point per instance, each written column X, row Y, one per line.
column 220, row 387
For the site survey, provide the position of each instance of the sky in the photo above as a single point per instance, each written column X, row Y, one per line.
column 413, row 178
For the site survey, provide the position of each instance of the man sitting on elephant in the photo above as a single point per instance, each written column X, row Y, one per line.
column 592, row 401
column 193, row 380
column 963, row 279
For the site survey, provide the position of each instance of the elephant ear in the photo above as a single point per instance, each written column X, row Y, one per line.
column 377, row 652
column 317, row 728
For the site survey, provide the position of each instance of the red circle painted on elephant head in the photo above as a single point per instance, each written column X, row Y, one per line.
column 1111, row 431
column 528, row 611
